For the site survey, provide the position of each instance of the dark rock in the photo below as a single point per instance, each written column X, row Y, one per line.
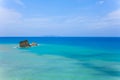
column 24, row 44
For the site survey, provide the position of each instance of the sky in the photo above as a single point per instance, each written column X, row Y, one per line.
column 79, row 18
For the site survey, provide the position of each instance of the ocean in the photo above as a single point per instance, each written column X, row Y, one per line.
column 60, row 58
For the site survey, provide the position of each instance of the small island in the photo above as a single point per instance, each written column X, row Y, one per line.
column 26, row 44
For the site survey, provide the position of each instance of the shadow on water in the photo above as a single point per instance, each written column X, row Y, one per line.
column 104, row 70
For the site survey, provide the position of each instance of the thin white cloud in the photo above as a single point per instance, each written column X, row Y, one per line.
column 101, row 2
column 113, row 17
column 75, row 20
column 8, row 16
column 114, row 14
column 19, row 2
column 9, row 20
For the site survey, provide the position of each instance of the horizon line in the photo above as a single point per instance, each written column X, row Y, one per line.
column 60, row 36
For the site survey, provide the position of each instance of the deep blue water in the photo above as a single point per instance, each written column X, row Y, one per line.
column 60, row 58
column 100, row 42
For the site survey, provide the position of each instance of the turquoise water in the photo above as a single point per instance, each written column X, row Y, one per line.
column 70, row 58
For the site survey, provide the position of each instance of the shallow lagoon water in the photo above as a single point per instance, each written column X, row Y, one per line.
column 59, row 61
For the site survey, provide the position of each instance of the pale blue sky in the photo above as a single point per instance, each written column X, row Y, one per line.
column 60, row 18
